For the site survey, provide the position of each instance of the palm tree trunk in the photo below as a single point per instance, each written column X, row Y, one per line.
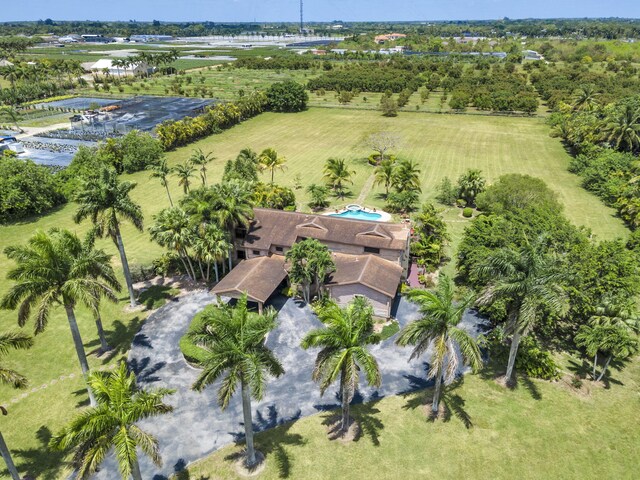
column 595, row 364
column 184, row 264
column 103, row 340
column 208, row 269
column 168, row 194
column 230, row 252
column 125, row 267
column 604, row 369
column 201, row 270
column 215, row 268
column 344, row 420
column 436, row 393
column 77, row 342
column 135, row 470
column 513, row 351
column 272, row 175
column 248, row 425
column 6, row 455
column 193, row 272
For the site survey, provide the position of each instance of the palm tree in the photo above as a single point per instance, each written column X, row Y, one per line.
column 528, row 280
column 406, row 176
column 161, row 172
column 184, row 172
column 622, row 128
column 270, row 160
column 438, row 327
column 172, row 229
column 106, row 201
column 614, row 314
column 9, row 340
column 384, row 174
column 337, row 173
column 610, row 339
column 56, row 268
column 12, row 114
column 200, row 159
column 585, row 98
column 344, row 353
column 470, row 185
column 234, row 341
column 212, row 246
column 318, row 196
column 112, row 424
column 232, row 206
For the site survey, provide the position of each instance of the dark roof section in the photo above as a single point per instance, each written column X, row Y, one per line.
column 370, row 270
column 276, row 227
column 257, row 277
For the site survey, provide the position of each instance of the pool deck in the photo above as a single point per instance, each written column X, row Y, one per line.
column 384, row 216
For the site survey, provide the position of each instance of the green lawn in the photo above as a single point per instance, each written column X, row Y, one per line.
column 541, row 430
column 444, row 145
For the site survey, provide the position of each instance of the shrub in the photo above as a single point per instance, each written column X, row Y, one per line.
column 191, row 352
column 447, row 193
column 27, row 189
column 287, row 96
column 269, row 195
column 467, row 212
column 460, row 203
column 531, row 360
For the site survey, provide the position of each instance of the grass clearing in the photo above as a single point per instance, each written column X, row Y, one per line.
column 540, row 430
column 444, row 145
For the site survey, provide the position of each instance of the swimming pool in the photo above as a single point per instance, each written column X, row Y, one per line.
column 358, row 215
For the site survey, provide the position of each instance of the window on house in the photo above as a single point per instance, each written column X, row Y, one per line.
column 256, row 252
column 371, row 250
column 241, row 254
column 279, row 249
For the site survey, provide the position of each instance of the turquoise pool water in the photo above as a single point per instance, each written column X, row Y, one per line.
column 358, row 215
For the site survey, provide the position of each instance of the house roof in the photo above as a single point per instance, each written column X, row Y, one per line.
column 369, row 270
column 257, row 277
column 277, row 227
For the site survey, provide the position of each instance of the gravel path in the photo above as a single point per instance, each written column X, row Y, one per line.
column 198, row 427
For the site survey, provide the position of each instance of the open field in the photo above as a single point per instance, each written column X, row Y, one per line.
column 540, row 430
column 444, row 145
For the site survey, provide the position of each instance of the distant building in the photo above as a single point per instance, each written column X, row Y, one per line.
column 70, row 39
column 150, row 38
column 5, row 63
column 532, row 55
column 103, row 64
column 90, row 38
column 391, row 37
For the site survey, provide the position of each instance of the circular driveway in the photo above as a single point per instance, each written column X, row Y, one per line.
column 198, row 427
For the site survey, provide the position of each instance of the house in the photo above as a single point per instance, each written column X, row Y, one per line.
column 139, row 68
column 391, row 37
column 371, row 258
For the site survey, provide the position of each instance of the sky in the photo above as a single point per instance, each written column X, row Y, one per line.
column 315, row 10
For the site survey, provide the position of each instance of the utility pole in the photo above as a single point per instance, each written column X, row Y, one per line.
column 301, row 18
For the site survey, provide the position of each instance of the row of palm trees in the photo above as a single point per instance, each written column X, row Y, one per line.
column 152, row 59
column 42, row 71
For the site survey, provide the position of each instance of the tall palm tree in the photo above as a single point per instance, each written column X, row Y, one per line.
column 270, row 160
column 337, row 174
column 111, row 423
column 9, row 340
column 201, row 159
column 234, row 342
column 106, row 201
column 438, row 327
column 615, row 314
column 57, row 268
column 344, row 353
column 622, row 128
column 384, row 174
column 529, row 281
column 232, row 206
column 406, row 176
column 184, row 172
column 161, row 172
column 212, row 246
column 172, row 229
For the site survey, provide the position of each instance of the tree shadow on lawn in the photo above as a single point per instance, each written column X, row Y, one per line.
column 584, row 369
column 273, row 444
column 181, row 473
column 120, row 338
column 41, row 462
column 494, row 372
column 451, row 403
column 156, row 296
